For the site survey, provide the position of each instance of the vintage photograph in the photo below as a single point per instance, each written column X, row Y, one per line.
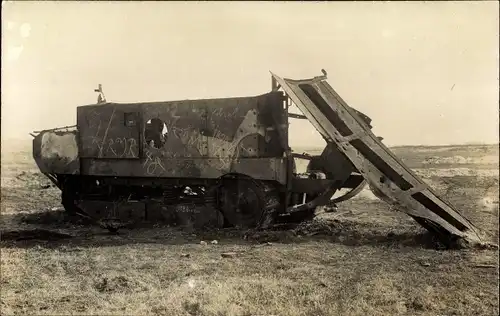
column 249, row 158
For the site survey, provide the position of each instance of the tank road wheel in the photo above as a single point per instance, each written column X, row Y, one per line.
column 248, row 203
column 242, row 202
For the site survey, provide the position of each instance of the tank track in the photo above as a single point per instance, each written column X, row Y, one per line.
column 191, row 206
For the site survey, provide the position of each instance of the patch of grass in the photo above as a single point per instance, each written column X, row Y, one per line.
column 369, row 261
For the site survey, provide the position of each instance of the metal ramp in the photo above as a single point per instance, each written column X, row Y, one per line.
column 388, row 177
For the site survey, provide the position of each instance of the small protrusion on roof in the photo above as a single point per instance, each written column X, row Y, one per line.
column 100, row 98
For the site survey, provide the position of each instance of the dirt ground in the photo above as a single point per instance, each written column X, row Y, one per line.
column 362, row 259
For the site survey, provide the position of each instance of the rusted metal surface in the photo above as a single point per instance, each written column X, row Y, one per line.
column 64, row 128
column 201, row 138
column 346, row 130
column 211, row 168
column 57, row 152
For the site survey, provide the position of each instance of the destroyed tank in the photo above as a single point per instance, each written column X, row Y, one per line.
column 227, row 162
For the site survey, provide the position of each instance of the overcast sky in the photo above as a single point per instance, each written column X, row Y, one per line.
column 426, row 73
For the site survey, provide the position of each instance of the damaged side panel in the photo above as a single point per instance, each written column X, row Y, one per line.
column 192, row 139
column 109, row 131
column 263, row 168
column 57, row 152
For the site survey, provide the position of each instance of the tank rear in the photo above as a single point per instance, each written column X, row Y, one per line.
column 55, row 151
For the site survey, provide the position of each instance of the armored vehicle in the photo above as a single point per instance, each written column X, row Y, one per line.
column 227, row 162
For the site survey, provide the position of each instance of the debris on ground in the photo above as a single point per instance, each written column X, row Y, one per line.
column 119, row 283
column 318, row 227
column 486, row 266
column 228, row 254
column 330, row 208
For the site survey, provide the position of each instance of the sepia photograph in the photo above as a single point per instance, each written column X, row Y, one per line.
column 240, row 158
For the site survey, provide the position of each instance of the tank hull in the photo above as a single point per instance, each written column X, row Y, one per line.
column 214, row 162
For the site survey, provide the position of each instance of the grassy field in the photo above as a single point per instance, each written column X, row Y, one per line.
column 361, row 260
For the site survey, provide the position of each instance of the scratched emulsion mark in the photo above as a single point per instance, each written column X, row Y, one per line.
column 106, row 131
column 93, row 122
column 220, row 149
column 106, row 146
column 223, row 114
column 119, row 147
column 152, row 164
column 226, row 152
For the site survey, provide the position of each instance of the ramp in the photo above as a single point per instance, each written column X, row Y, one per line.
column 388, row 177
